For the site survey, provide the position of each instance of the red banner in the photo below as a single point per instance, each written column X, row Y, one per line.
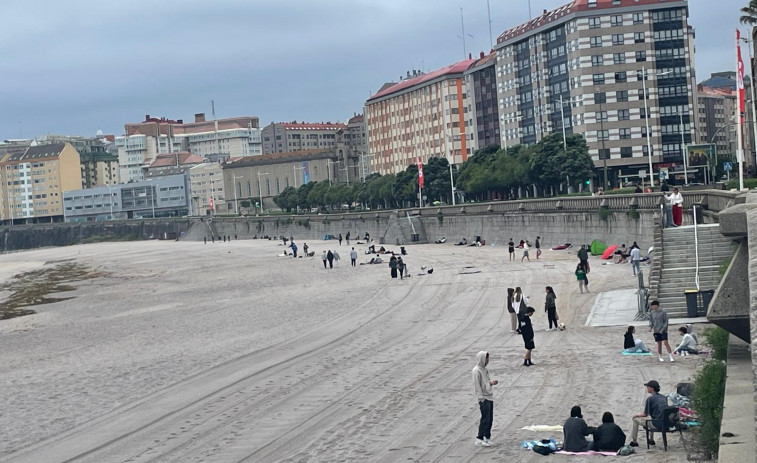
column 740, row 77
column 211, row 203
column 420, row 173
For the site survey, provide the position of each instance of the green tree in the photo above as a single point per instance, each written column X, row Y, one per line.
column 287, row 199
column 317, row 194
column 551, row 163
column 749, row 14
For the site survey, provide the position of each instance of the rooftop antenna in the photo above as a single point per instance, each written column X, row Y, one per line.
column 529, row 10
column 462, row 25
column 489, row 13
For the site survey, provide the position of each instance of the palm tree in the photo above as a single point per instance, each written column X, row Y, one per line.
column 749, row 13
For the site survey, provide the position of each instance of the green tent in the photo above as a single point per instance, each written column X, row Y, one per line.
column 597, row 248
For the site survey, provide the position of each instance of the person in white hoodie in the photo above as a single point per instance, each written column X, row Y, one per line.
column 482, row 386
column 688, row 343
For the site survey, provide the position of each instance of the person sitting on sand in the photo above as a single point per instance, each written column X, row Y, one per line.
column 631, row 344
column 608, row 436
column 462, row 242
column 576, row 432
column 688, row 343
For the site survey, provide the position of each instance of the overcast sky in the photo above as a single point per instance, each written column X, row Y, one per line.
column 76, row 66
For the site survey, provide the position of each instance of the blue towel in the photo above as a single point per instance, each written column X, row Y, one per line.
column 637, row 353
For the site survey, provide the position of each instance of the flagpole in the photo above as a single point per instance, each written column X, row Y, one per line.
column 739, row 103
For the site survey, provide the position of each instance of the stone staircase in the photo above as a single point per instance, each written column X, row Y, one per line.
column 679, row 264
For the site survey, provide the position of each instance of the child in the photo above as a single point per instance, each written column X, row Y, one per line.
column 527, row 331
column 581, row 277
column 688, row 343
column 631, row 344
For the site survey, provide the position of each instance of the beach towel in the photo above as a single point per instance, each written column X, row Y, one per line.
column 530, row 444
column 590, row 452
column 543, row 428
column 636, row 353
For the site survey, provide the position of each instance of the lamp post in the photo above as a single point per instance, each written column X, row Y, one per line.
column 260, row 189
column 683, row 150
column 236, row 201
column 754, row 113
column 646, row 118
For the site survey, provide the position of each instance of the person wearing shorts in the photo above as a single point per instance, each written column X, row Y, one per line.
column 658, row 325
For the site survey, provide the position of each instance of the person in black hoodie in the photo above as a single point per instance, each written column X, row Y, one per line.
column 550, row 308
column 575, row 432
column 330, row 258
column 631, row 344
column 609, row 436
column 527, row 331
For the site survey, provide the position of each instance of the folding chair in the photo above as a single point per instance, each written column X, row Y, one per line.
column 670, row 421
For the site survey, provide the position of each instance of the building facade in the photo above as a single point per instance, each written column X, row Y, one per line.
column 207, row 187
column 157, row 197
column 481, row 84
column 285, row 137
column 33, row 183
column 423, row 116
column 98, row 167
column 218, row 141
column 584, row 68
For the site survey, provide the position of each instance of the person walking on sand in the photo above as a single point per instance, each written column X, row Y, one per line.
column 527, row 331
column 347, row 237
column 337, row 258
column 511, row 310
column 519, row 305
column 324, row 257
column 654, row 408
column 340, row 239
column 400, row 267
column 353, row 255
column 551, row 308
column 482, row 387
column 537, row 245
column 658, row 325
column 525, row 251
column 583, row 257
column 393, row 266
column 330, row 257
column 635, row 259
column 581, row 277
column 294, row 249
column 511, row 249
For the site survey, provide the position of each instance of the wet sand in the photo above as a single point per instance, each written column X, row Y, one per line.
column 185, row 352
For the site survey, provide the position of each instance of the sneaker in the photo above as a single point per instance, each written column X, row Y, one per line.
column 634, row 444
column 479, row 442
column 483, row 443
column 662, row 360
column 548, row 329
column 488, row 441
column 651, row 442
column 670, row 356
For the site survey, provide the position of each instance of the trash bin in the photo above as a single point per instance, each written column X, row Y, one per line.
column 692, row 296
column 698, row 214
column 706, row 298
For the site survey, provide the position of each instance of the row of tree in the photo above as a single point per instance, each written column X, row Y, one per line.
column 489, row 173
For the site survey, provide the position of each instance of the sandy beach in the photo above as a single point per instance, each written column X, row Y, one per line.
column 227, row 352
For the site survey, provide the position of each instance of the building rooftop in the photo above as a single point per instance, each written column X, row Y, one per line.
column 457, row 68
column 703, row 90
column 294, row 125
column 171, row 159
column 276, row 158
column 356, row 119
column 52, row 150
column 719, row 82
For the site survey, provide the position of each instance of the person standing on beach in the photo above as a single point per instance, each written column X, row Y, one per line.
column 482, row 387
column 551, row 308
column 294, row 249
column 527, row 331
column 658, row 325
column 330, row 257
column 519, row 305
column 581, row 277
column 340, row 239
column 347, row 237
column 511, row 310
column 305, row 248
column 537, row 245
column 635, row 259
column 353, row 254
column 511, row 249
column 393, row 266
column 583, row 257
column 525, row 252
column 400, row 267
column 324, row 257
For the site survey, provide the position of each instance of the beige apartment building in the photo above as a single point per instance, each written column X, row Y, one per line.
column 33, row 183
column 99, row 167
column 207, row 189
column 423, row 116
column 584, row 66
column 284, row 137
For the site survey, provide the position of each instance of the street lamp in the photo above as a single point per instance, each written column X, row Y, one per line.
column 646, row 118
column 260, row 189
column 236, row 201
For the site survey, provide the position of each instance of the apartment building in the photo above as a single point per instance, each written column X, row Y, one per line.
column 206, row 185
column 98, row 166
column 481, row 84
column 33, row 182
column 585, row 66
column 217, row 141
column 422, row 116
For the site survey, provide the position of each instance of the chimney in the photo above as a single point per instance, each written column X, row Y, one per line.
column 199, row 117
column 470, row 56
column 147, row 118
column 408, row 74
column 545, row 13
column 180, row 121
column 482, row 55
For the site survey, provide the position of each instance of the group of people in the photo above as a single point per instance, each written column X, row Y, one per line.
column 520, row 317
column 673, row 206
column 658, row 325
column 525, row 245
column 623, row 255
column 582, row 269
column 397, row 265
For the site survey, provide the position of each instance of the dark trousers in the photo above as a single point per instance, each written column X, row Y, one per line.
column 324, row 264
column 552, row 316
column 331, row 263
column 487, row 416
column 353, row 262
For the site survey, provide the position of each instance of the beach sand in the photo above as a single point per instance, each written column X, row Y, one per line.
column 226, row 352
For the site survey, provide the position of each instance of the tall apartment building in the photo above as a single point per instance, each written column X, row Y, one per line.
column 287, row 137
column 218, row 140
column 423, row 116
column 33, row 183
column 584, row 66
column 98, row 167
column 207, row 189
column 481, row 82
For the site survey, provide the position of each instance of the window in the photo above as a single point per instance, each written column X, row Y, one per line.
column 601, row 116
column 645, row 150
column 638, row 37
column 641, row 56
column 604, row 153
column 621, row 76
column 625, row 134
column 621, row 95
column 599, row 79
column 597, row 60
column 595, row 23
column 616, row 20
column 596, row 41
column 638, row 18
column 603, row 135
column 600, row 97
column 617, row 39
column 626, row 152
column 624, row 114
column 619, row 58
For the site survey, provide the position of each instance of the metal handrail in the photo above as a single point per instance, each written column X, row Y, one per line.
column 696, row 245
